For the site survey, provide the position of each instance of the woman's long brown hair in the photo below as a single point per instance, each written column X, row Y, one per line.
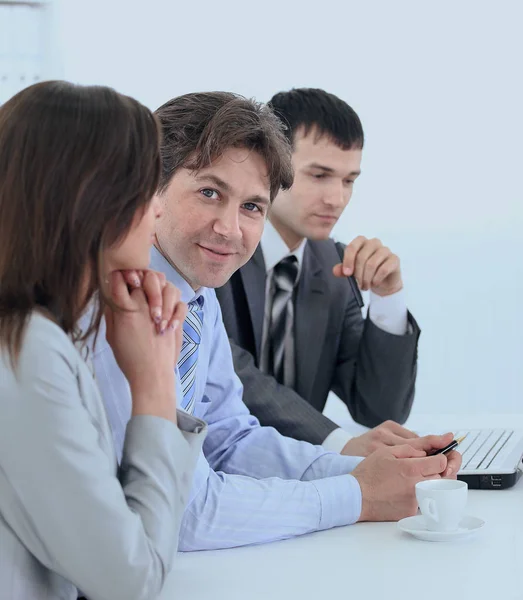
column 76, row 164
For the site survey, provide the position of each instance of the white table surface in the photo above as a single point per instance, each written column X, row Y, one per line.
column 373, row 560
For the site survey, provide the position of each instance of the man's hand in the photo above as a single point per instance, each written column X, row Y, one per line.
column 391, row 434
column 386, row 434
column 373, row 265
column 430, row 443
column 388, row 478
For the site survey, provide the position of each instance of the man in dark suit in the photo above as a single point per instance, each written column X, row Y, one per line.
column 293, row 318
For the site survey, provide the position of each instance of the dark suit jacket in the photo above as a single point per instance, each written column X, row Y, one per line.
column 372, row 371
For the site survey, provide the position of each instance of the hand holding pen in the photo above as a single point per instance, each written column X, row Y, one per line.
column 454, row 444
column 440, row 444
column 372, row 265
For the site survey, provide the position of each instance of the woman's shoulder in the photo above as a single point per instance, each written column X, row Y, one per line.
column 48, row 366
column 46, row 346
column 43, row 331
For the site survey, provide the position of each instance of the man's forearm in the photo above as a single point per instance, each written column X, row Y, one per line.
column 379, row 385
column 226, row 511
column 261, row 452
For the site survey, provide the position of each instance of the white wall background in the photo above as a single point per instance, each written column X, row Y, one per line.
column 439, row 89
column 26, row 44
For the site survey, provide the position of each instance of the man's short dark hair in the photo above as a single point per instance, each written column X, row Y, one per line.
column 198, row 128
column 325, row 114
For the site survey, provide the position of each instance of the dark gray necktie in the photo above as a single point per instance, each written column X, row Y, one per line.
column 281, row 345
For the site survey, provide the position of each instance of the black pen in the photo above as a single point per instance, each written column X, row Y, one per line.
column 352, row 281
column 450, row 447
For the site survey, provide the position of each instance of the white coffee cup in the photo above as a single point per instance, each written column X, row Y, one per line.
column 442, row 502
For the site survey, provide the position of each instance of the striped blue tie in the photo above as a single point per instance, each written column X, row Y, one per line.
column 192, row 335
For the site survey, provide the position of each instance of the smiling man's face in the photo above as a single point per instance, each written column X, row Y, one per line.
column 213, row 219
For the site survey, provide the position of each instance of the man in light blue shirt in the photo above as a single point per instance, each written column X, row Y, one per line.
column 224, row 160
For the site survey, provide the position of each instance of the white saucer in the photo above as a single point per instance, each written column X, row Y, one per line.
column 416, row 527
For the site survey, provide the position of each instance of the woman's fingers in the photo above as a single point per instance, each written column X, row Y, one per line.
column 152, row 286
column 178, row 316
column 119, row 291
column 161, row 296
column 170, row 299
column 176, row 323
column 132, row 278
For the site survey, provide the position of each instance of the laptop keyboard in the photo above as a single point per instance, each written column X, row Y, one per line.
column 484, row 449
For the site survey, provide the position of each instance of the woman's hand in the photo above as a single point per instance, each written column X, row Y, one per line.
column 146, row 338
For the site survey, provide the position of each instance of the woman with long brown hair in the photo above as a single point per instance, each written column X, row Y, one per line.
column 78, row 170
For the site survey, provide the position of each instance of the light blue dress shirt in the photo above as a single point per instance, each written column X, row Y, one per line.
column 251, row 485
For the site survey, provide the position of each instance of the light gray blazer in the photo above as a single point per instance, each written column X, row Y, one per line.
column 69, row 518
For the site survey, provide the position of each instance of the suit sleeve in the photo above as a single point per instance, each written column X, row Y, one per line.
column 112, row 539
column 276, row 405
column 375, row 374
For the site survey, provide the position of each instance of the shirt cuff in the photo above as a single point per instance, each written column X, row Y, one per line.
column 336, row 440
column 340, row 499
column 389, row 313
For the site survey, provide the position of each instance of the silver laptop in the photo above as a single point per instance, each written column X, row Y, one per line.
column 491, row 457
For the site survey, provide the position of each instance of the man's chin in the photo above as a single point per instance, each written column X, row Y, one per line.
column 213, row 280
column 316, row 235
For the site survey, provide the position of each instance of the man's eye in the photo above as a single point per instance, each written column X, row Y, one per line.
column 318, row 175
column 209, row 193
column 251, row 207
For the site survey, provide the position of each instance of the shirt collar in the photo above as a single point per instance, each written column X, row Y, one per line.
column 274, row 249
column 160, row 263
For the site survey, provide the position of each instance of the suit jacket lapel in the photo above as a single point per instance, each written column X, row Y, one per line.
column 310, row 321
column 253, row 277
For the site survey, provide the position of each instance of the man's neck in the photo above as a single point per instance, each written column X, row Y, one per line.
column 158, row 247
column 290, row 237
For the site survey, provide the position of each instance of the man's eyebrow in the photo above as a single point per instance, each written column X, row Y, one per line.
column 214, row 179
column 331, row 170
column 321, row 167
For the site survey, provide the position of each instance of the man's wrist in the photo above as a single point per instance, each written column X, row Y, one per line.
column 389, row 313
column 390, row 292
